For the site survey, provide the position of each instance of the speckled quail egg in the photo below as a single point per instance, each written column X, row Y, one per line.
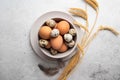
column 72, row 32
column 71, row 44
column 55, row 33
column 68, row 37
column 51, row 23
column 43, row 43
column 53, row 51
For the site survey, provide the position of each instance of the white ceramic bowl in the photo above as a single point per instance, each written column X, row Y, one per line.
column 35, row 29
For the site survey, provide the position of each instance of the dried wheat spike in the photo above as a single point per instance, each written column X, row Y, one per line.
column 93, row 4
column 78, row 12
column 109, row 29
column 81, row 26
column 100, row 29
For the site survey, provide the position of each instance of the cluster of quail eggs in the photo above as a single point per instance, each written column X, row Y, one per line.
column 57, row 36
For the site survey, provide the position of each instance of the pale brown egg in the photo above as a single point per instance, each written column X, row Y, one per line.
column 63, row 27
column 63, row 48
column 56, row 42
column 56, row 25
column 44, row 32
column 48, row 45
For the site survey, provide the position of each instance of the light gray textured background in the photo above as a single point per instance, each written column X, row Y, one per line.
column 17, row 59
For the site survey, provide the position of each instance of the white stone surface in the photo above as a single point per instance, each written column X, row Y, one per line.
column 17, row 59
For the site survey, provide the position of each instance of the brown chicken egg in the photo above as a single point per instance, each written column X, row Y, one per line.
column 48, row 45
column 63, row 27
column 56, row 42
column 56, row 25
column 44, row 32
column 63, row 48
